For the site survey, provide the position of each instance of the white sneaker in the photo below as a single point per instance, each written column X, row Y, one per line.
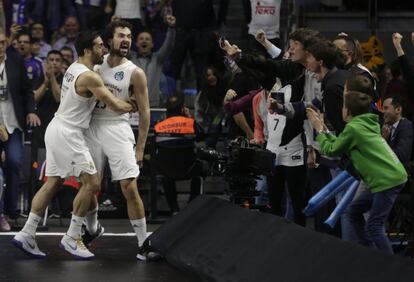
column 27, row 243
column 76, row 247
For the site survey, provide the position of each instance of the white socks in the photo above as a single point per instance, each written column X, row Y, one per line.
column 75, row 227
column 140, row 228
column 31, row 224
column 91, row 220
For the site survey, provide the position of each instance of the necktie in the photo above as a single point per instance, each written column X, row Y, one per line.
column 392, row 132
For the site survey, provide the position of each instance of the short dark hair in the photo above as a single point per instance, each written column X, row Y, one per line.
column 357, row 103
column 327, row 52
column 85, row 41
column 67, row 48
column 145, row 30
column 396, row 101
column 110, row 29
column 54, row 52
column 175, row 105
column 33, row 24
column 24, row 32
column 306, row 36
column 360, row 83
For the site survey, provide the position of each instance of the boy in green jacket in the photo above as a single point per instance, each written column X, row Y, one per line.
column 373, row 160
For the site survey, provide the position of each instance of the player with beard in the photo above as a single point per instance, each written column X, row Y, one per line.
column 67, row 153
column 110, row 135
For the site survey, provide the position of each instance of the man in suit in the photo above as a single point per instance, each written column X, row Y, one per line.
column 398, row 131
column 16, row 111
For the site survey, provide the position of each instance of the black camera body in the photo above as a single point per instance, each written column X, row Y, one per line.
column 241, row 167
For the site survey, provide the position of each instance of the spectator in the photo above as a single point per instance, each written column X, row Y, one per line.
column 128, row 10
column 179, row 118
column 91, row 14
column 151, row 62
column 362, row 141
column 242, row 122
column 273, row 51
column 398, row 131
column 322, row 60
column 195, row 22
column 67, row 54
column 16, row 111
column 49, row 12
column 265, row 15
column 35, row 49
column 65, row 65
column 34, row 68
column 352, row 52
column 47, row 96
column 397, row 87
column 37, row 32
column 71, row 31
column 208, row 105
column 285, row 134
column 407, row 73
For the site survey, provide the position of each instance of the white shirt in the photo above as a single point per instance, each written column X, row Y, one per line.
column 266, row 16
column 393, row 128
column 311, row 90
column 128, row 9
column 74, row 109
column 290, row 154
column 7, row 112
column 118, row 81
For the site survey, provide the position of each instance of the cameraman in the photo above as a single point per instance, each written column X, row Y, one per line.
column 179, row 129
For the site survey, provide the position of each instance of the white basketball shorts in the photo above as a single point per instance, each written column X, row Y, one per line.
column 115, row 141
column 67, row 153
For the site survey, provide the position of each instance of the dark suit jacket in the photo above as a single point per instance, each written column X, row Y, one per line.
column 332, row 86
column 19, row 88
column 402, row 142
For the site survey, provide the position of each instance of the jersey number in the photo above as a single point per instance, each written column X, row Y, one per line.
column 277, row 122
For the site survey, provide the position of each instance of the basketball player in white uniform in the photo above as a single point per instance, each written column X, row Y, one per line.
column 110, row 134
column 67, row 153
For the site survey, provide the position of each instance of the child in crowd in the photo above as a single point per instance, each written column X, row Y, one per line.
column 373, row 160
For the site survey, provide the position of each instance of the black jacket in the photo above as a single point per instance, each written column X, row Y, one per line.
column 332, row 98
column 19, row 88
column 402, row 141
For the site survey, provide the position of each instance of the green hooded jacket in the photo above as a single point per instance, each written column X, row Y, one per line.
column 369, row 153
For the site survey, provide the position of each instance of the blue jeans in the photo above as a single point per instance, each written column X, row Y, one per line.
column 13, row 149
column 372, row 230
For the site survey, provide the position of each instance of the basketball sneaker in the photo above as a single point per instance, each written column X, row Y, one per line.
column 27, row 244
column 75, row 247
column 87, row 237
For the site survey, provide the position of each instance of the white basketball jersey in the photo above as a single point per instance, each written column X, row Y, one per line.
column 74, row 109
column 117, row 80
column 290, row 154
